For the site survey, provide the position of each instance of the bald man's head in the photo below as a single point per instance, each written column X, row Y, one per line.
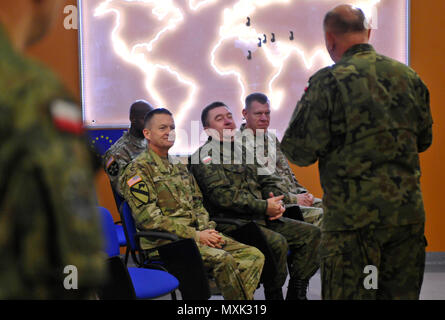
column 344, row 26
column 345, row 19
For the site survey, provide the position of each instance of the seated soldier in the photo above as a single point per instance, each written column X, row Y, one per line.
column 164, row 196
column 129, row 146
column 235, row 190
column 257, row 115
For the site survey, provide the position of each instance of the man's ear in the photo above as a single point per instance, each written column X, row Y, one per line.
column 244, row 112
column 147, row 133
column 369, row 33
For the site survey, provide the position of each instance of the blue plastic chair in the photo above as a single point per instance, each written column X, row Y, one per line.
column 180, row 257
column 146, row 283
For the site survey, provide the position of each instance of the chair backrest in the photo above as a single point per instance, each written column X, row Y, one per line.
column 129, row 226
column 109, row 230
column 117, row 198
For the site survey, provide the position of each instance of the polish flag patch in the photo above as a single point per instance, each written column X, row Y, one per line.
column 207, row 160
column 67, row 117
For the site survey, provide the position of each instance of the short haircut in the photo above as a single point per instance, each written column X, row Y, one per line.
column 139, row 109
column 339, row 24
column 257, row 96
column 206, row 110
column 154, row 112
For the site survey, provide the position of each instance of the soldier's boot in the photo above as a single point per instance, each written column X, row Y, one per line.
column 297, row 289
column 274, row 294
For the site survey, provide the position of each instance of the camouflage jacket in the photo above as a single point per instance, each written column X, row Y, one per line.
column 120, row 154
column 279, row 162
column 232, row 187
column 48, row 215
column 365, row 119
column 163, row 197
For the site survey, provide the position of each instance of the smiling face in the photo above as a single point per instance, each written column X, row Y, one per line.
column 160, row 133
column 220, row 120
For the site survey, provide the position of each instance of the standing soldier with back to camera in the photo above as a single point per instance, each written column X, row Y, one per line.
column 48, row 218
column 365, row 119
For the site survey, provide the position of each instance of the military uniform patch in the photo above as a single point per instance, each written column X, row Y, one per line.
column 207, row 160
column 112, row 167
column 140, row 192
column 132, row 181
column 66, row 116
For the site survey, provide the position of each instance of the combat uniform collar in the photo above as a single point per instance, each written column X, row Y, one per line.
column 160, row 164
column 356, row 49
column 137, row 142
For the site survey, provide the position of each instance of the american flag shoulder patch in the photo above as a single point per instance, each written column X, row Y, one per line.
column 132, row 181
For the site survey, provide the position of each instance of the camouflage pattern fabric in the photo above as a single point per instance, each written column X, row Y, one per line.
column 165, row 197
column 237, row 191
column 236, row 268
column 230, row 188
column 48, row 215
column 365, row 119
column 287, row 180
column 397, row 253
column 119, row 155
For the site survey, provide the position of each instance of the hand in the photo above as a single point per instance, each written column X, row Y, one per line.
column 211, row 238
column 305, row 199
column 275, row 208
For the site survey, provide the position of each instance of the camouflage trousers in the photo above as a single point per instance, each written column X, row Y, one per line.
column 313, row 214
column 293, row 244
column 296, row 243
column 236, row 268
column 396, row 254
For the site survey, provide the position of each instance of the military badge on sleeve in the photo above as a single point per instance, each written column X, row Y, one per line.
column 112, row 167
column 138, row 189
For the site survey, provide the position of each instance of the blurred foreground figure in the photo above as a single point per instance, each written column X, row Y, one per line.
column 50, row 236
column 365, row 119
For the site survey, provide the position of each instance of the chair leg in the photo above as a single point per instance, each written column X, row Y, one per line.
column 173, row 294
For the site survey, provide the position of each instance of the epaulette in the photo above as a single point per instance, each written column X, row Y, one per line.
column 66, row 117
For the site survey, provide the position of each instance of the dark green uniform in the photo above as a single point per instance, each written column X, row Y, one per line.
column 365, row 119
column 238, row 191
column 48, row 215
column 165, row 197
column 273, row 158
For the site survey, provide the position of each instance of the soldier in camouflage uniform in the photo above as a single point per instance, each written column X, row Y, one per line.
column 365, row 119
column 236, row 190
column 257, row 115
column 165, row 197
column 129, row 146
column 48, row 215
